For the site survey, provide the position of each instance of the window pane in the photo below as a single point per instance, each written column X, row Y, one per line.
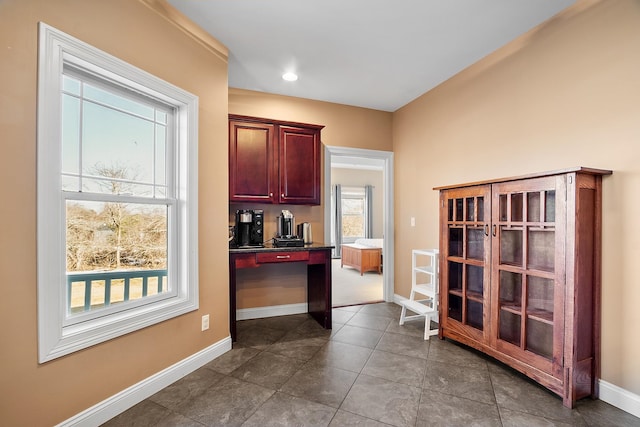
column 71, row 141
column 109, row 98
column 71, row 85
column 115, row 252
column 352, row 206
column 352, row 217
column 161, row 117
column 352, row 226
column 116, row 145
column 161, row 155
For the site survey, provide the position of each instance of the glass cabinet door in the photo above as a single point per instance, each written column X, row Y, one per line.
column 466, row 245
column 526, row 231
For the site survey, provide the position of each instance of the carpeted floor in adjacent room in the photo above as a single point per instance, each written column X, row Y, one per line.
column 349, row 287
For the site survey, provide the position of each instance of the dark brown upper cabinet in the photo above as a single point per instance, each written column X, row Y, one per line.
column 273, row 161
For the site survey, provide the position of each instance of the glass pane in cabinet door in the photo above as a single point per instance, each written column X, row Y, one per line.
column 510, row 246
column 450, row 210
column 470, row 210
column 480, row 209
column 550, row 206
column 540, row 296
column 459, row 209
column 503, row 207
column 475, row 277
column 475, row 243
column 533, row 207
column 455, row 307
column 455, row 277
column 540, row 338
column 510, row 327
column 474, row 314
column 455, row 241
column 541, row 249
column 510, row 289
column 516, row 207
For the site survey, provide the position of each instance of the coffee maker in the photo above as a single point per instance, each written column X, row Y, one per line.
column 286, row 224
column 249, row 228
column 286, row 236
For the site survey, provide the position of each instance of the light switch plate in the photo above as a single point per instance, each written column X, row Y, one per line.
column 205, row 322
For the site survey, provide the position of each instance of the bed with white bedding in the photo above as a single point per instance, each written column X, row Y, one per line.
column 372, row 243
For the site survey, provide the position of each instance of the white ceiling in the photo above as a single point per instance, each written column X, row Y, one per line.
column 378, row 54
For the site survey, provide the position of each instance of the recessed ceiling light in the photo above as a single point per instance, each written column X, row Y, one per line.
column 290, row 77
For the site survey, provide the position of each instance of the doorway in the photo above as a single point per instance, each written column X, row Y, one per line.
column 364, row 160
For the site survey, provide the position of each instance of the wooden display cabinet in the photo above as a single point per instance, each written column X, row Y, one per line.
column 520, row 274
column 273, row 161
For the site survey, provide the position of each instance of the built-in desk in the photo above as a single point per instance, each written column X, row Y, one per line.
column 318, row 260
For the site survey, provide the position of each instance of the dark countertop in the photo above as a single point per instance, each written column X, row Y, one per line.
column 268, row 247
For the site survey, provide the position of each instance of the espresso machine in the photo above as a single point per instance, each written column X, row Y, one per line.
column 286, row 234
column 248, row 229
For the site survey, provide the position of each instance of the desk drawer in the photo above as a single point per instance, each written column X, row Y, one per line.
column 264, row 257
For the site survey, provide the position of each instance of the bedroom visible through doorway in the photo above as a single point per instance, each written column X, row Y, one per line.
column 357, row 215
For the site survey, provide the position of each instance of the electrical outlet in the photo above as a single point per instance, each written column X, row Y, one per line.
column 205, row 322
column 413, row 221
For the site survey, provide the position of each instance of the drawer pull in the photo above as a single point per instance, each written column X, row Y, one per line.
column 282, row 256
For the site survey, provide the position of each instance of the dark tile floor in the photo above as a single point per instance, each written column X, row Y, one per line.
column 367, row 371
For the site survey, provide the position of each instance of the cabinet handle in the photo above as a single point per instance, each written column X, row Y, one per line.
column 270, row 194
column 494, row 230
column 283, row 195
column 486, row 229
column 283, row 256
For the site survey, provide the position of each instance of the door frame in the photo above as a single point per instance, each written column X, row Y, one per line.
column 331, row 153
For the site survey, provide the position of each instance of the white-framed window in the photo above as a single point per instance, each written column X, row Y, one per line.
column 354, row 217
column 117, row 197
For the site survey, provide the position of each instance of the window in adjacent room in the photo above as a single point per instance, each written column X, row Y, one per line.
column 117, row 197
column 356, row 215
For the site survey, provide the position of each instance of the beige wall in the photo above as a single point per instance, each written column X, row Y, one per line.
column 344, row 127
column 44, row 395
column 566, row 94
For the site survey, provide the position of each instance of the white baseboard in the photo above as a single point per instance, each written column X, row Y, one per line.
column 120, row 402
column 271, row 311
column 620, row 398
column 398, row 299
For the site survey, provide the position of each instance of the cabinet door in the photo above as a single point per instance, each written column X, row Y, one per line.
column 465, row 252
column 528, row 258
column 299, row 179
column 252, row 162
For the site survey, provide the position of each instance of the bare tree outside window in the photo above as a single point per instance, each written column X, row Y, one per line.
column 114, row 235
column 352, row 217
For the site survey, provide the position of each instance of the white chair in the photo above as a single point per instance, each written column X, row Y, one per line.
column 424, row 290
